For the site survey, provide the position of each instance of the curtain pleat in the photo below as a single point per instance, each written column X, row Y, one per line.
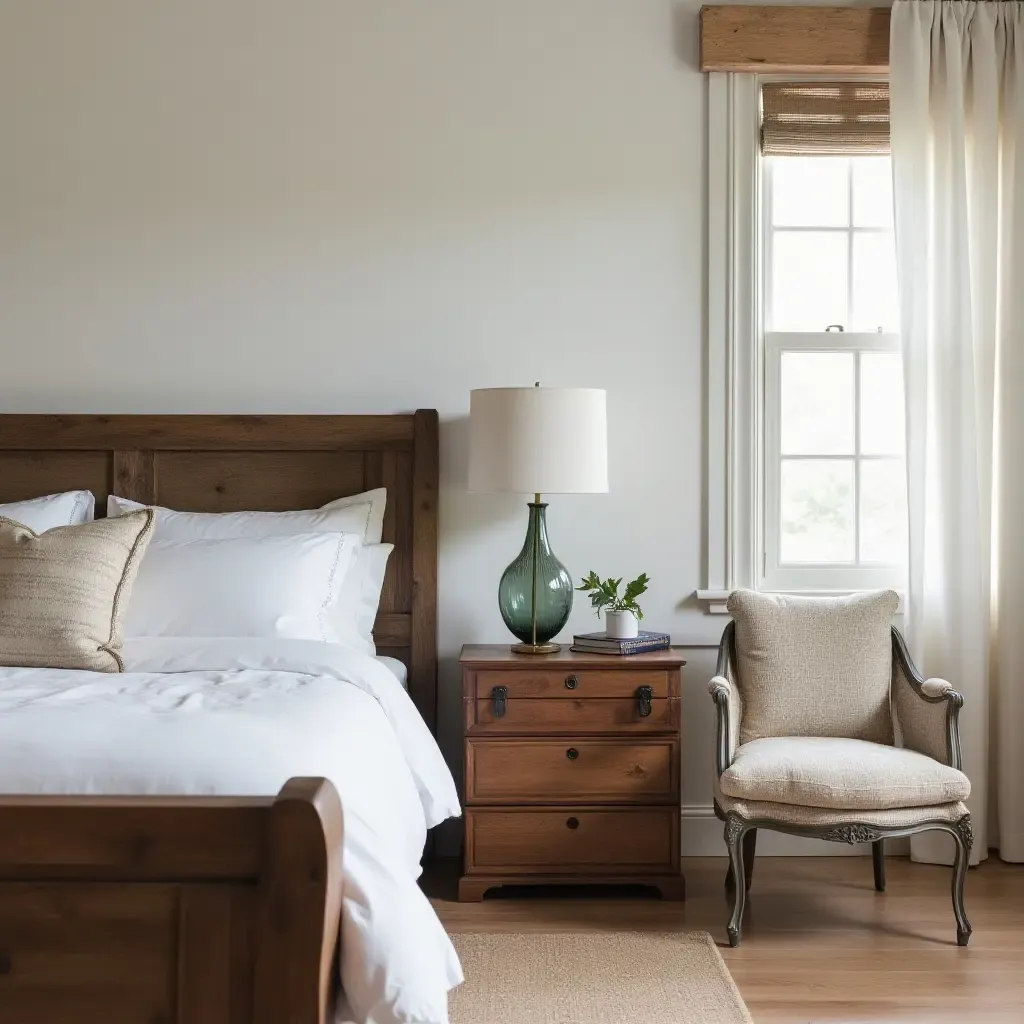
column 957, row 113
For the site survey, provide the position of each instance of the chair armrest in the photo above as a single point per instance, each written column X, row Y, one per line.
column 926, row 710
column 726, row 695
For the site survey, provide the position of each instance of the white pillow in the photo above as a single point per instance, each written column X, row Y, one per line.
column 354, row 613
column 260, row 587
column 361, row 514
column 356, row 610
column 71, row 508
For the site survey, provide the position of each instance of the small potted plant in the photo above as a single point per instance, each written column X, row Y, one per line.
column 622, row 615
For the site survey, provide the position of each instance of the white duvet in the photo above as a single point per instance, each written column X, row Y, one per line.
column 241, row 717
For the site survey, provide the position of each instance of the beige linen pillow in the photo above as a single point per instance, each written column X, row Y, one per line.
column 63, row 593
column 814, row 666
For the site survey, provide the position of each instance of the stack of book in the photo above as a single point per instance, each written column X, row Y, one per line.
column 600, row 643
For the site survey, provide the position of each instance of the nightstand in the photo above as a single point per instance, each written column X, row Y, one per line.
column 572, row 769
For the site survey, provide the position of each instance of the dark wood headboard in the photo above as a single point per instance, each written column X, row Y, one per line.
column 271, row 463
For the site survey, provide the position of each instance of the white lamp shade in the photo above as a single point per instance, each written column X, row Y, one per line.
column 538, row 440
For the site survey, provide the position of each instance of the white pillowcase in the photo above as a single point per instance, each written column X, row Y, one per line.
column 263, row 587
column 361, row 514
column 70, row 508
column 356, row 610
column 353, row 615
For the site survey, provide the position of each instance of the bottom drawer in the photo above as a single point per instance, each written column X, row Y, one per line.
column 569, row 840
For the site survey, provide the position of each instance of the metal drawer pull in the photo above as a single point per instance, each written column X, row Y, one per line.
column 644, row 694
column 500, row 696
column 572, row 823
column 572, row 753
column 571, row 682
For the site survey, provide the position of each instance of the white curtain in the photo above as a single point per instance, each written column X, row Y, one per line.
column 957, row 94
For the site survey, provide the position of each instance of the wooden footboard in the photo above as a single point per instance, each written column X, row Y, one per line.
column 168, row 910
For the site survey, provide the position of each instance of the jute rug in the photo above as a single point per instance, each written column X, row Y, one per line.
column 594, row 978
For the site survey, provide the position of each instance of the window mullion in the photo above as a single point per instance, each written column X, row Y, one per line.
column 856, row 458
column 849, row 244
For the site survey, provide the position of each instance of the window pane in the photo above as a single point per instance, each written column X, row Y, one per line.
column 874, row 282
column 817, row 403
column 881, row 403
column 817, row 511
column 872, row 192
column 808, row 280
column 883, row 511
column 810, row 191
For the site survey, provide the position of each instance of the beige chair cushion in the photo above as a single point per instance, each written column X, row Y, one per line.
column 63, row 593
column 819, row 817
column 812, row 771
column 814, row 666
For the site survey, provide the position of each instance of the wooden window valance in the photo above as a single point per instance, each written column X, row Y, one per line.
column 788, row 40
column 824, row 118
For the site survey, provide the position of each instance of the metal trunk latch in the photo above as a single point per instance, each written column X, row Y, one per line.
column 644, row 694
column 500, row 697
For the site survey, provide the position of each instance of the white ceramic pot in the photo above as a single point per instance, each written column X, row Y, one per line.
column 620, row 625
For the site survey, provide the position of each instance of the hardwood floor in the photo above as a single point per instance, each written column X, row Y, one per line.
column 819, row 944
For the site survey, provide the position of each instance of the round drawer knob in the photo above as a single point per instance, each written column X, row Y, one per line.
column 571, row 682
column 572, row 753
column 572, row 823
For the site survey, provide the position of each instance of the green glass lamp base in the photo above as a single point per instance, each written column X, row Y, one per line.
column 535, row 592
column 536, row 648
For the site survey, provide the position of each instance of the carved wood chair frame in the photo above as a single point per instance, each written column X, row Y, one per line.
column 741, row 832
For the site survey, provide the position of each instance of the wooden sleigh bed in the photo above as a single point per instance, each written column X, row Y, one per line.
column 184, row 910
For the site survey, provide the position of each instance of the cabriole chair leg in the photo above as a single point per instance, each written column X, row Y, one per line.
column 964, row 836
column 734, row 833
column 878, row 861
column 749, row 849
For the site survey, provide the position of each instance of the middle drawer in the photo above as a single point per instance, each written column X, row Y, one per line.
column 545, row 771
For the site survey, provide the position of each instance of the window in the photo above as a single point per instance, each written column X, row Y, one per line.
column 806, row 434
column 834, row 491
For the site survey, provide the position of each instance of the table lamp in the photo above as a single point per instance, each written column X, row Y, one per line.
column 536, row 441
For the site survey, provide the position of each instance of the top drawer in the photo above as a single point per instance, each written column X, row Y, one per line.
column 571, row 683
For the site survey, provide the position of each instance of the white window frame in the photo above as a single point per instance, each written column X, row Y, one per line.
column 738, row 452
column 775, row 575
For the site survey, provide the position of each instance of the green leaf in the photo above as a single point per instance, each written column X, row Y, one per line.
column 604, row 594
column 636, row 588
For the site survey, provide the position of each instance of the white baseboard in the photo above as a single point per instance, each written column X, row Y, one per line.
column 701, row 836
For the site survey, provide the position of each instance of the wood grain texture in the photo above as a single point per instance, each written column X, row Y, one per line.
column 135, row 475
column 207, row 433
column 778, row 40
column 271, row 463
column 564, row 661
column 566, row 770
column 580, row 683
column 206, row 982
column 576, row 716
column 604, row 842
column 177, row 910
column 300, row 905
column 565, row 775
column 425, row 482
column 820, row 945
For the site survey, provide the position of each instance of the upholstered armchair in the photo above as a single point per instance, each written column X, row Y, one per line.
column 812, row 696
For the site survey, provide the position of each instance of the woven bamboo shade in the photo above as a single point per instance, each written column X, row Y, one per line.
column 824, row 118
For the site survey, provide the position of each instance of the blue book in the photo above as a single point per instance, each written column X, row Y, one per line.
column 601, row 643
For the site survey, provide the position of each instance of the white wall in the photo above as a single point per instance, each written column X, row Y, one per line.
column 341, row 206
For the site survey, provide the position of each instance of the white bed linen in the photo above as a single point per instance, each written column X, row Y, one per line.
column 240, row 717
column 396, row 668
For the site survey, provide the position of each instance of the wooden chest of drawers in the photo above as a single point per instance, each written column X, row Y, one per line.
column 571, row 769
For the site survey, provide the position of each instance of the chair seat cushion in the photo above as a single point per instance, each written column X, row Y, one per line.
column 814, row 771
